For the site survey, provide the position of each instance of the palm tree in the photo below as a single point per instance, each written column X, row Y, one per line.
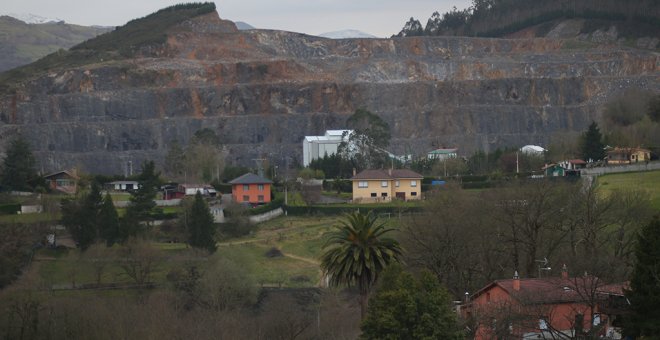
column 356, row 253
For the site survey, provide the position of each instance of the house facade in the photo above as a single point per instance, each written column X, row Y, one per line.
column 628, row 155
column 63, row 181
column 548, row 308
column 251, row 188
column 371, row 186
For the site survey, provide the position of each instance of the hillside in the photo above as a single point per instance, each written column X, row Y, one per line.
column 126, row 95
column 603, row 20
column 22, row 43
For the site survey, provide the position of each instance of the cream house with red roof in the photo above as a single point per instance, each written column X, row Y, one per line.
column 371, row 186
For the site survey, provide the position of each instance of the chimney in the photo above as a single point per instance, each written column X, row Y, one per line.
column 516, row 281
column 564, row 272
column 354, row 172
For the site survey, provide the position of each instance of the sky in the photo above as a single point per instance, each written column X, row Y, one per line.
column 381, row 18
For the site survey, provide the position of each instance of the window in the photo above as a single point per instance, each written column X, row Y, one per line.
column 596, row 319
column 246, row 187
column 363, row 184
column 246, row 198
column 383, row 194
column 413, row 183
column 383, row 184
column 414, row 193
column 373, row 194
column 396, row 183
column 260, row 187
column 260, row 198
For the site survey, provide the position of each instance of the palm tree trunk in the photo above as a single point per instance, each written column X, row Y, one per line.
column 364, row 302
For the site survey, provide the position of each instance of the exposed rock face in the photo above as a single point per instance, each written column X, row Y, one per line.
column 262, row 91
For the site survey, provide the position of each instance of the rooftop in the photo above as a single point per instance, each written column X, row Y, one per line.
column 250, row 178
column 385, row 174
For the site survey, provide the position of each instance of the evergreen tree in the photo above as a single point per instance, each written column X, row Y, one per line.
column 412, row 28
column 653, row 110
column 175, row 160
column 644, row 294
column 142, row 203
column 18, row 168
column 201, row 230
column 405, row 308
column 592, row 146
column 81, row 216
column 108, row 221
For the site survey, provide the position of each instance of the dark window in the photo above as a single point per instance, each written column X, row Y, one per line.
column 246, row 187
column 260, row 198
column 414, row 193
column 373, row 194
column 384, row 194
column 246, row 198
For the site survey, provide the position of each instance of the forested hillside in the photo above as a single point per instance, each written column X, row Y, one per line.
column 498, row 18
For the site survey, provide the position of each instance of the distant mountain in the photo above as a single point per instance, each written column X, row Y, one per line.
column 243, row 25
column 30, row 18
column 346, row 34
column 25, row 40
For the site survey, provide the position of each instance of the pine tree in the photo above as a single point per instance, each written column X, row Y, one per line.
column 592, row 146
column 644, row 294
column 108, row 221
column 81, row 216
column 18, row 168
column 201, row 230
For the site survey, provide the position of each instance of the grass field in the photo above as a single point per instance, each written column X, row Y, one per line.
column 646, row 181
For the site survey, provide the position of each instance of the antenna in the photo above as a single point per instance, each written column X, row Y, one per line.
column 543, row 265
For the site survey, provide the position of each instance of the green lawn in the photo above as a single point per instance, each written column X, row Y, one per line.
column 647, row 181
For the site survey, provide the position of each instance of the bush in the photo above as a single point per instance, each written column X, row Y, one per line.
column 10, row 209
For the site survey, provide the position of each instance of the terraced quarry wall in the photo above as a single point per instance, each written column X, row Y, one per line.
column 262, row 91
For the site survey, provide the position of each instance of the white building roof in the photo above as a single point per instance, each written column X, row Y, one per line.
column 532, row 149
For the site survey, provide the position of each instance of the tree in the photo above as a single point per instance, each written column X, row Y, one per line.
column 81, row 216
column 175, row 161
column 141, row 202
column 654, row 108
column 644, row 294
column 201, row 230
column 365, row 147
column 357, row 252
column 108, row 221
column 407, row 308
column 18, row 168
column 412, row 28
column 592, row 146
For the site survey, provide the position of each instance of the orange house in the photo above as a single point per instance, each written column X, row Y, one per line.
column 545, row 308
column 251, row 188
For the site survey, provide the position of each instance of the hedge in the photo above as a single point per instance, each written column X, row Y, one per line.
column 344, row 209
column 9, row 209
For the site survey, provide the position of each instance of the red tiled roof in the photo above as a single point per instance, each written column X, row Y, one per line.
column 385, row 175
column 553, row 290
column 577, row 161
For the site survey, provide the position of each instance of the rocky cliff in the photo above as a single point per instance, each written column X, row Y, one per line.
column 262, row 91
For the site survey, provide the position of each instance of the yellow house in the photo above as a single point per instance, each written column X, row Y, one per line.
column 370, row 186
column 628, row 155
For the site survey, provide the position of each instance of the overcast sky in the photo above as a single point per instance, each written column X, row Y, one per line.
column 378, row 17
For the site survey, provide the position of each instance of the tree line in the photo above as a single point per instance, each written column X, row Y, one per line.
column 494, row 18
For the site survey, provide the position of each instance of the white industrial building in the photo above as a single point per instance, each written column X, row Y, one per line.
column 315, row 147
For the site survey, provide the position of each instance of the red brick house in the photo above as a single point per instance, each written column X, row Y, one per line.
column 549, row 308
column 251, row 188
